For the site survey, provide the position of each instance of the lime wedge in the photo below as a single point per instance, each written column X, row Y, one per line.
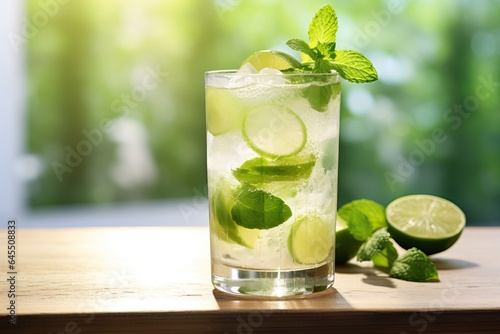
column 310, row 240
column 274, row 131
column 262, row 170
column 429, row 223
column 346, row 246
column 225, row 113
column 272, row 59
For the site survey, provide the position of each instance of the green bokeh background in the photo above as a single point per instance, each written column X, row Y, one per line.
column 429, row 125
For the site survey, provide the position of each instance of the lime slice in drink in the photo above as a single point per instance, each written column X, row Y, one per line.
column 274, row 131
column 262, row 170
column 272, row 59
column 225, row 113
column 429, row 223
column 223, row 225
column 310, row 240
column 346, row 246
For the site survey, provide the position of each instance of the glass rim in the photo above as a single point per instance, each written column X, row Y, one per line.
column 333, row 73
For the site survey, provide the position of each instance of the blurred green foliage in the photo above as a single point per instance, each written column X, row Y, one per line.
column 116, row 96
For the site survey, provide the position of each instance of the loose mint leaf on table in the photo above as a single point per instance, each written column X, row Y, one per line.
column 257, row 209
column 414, row 266
column 386, row 257
column 379, row 249
column 324, row 26
column 353, row 66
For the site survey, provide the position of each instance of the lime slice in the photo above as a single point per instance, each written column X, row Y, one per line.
column 262, row 170
column 225, row 113
column 272, row 59
column 310, row 240
column 429, row 223
column 346, row 246
column 274, row 131
column 223, row 225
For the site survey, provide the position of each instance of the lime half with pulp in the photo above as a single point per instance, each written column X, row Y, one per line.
column 429, row 223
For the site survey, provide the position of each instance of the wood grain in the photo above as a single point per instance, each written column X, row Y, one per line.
column 157, row 280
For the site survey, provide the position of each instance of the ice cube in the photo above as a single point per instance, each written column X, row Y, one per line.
column 242, row 80
column 247, row 69
column 270, row 71
column 271, row 76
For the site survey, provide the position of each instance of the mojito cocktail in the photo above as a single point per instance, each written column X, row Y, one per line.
column 272, row 177
column 273, row 136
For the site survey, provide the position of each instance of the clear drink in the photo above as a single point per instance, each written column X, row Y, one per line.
column 272, row 156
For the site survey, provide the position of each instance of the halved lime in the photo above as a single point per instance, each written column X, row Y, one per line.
column 272, row 59
column 274, row 131
column 429, row 223
column 262, row 170
column 346, row 246
column 225, row 112
column 310, row 240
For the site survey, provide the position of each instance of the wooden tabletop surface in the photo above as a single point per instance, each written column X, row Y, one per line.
column 157, row 280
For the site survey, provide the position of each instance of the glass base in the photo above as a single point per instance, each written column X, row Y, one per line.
column 272, row 283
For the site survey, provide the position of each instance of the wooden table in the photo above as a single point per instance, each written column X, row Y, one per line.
column 157, row 280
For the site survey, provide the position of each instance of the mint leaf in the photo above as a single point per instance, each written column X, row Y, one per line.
column 261, row 170
column 326, row 49
column 374, row 212
column 353, row 66
column 414, row 266
column 302, row 46
column 377, row 243
column 324, row 26
column 257, row 209
column 359, row 225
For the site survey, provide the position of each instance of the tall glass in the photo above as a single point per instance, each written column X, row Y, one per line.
column 272, row 156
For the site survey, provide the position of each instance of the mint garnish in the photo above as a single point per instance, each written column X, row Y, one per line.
column 320, row 56
column 414, row 266
column 351, row 65
column 324, row 26
column 258, row 209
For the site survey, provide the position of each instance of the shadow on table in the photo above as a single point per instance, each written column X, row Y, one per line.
column 373, row 276
column 451, row 264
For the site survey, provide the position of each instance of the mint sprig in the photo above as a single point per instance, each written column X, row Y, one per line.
column 321, row 55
